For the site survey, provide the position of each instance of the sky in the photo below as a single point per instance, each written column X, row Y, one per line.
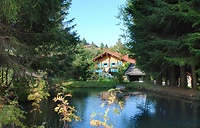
column 96, row 20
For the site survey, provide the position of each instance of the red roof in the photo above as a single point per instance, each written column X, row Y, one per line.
column 126, row 58
column 117, row 55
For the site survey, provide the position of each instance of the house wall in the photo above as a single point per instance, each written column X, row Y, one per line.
column 109, row 61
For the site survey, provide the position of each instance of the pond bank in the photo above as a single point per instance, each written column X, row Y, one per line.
column 177, row 92
column 172, row 91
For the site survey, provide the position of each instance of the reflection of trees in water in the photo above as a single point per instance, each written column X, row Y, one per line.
column 144, row 117
column 168, row 112
column 78, row 100
column 48, row 117
column 142, row 110
column 177, row 112
column 152, row 111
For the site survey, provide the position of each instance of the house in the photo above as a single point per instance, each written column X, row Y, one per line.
column 110, row 61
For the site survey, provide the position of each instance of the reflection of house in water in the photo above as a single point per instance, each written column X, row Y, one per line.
column 105, row 95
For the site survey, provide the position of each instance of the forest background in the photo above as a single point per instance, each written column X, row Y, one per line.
column 39, row 50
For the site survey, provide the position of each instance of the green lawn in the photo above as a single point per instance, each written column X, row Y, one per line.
column 108, row 84
column 90, row 84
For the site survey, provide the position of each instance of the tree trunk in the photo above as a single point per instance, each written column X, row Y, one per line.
column 159, row 80
column 194, row 78
column 172, row 80
column 183, row 78
column 147, row 78
column 7, row 76
column 166, row 78
column 2, row 72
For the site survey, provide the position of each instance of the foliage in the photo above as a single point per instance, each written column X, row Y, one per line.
column 162, row 33
column 106, row 122
column 84, row 42
column 101, row 45
column 11, row 115
column 35, row 36
column 83, row 65
column 36, row 40
column 99, row 123
column 120, row 74
column 38, row 93
column 119, row 47
column 64, row 109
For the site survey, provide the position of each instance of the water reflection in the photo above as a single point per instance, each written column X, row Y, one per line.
column 141, row 110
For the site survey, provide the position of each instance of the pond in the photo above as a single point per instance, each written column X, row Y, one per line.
column 139, row 110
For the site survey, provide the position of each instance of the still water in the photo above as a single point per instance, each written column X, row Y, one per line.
column 139, row 110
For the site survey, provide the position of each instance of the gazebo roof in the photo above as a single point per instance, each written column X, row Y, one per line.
column 132, row 70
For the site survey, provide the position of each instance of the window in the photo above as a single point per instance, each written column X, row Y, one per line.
column 113, row 64
column 99, row 64
column 105, row 65
column 120, row 63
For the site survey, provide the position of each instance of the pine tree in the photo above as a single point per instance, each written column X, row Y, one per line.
column 159, row 32
column 33, row 35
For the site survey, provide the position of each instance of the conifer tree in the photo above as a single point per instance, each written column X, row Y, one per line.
column 36, row 35
column 164, row 35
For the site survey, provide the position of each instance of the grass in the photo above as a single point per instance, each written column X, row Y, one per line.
column 102, row 83
column 108, row 84
column 90, row 84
